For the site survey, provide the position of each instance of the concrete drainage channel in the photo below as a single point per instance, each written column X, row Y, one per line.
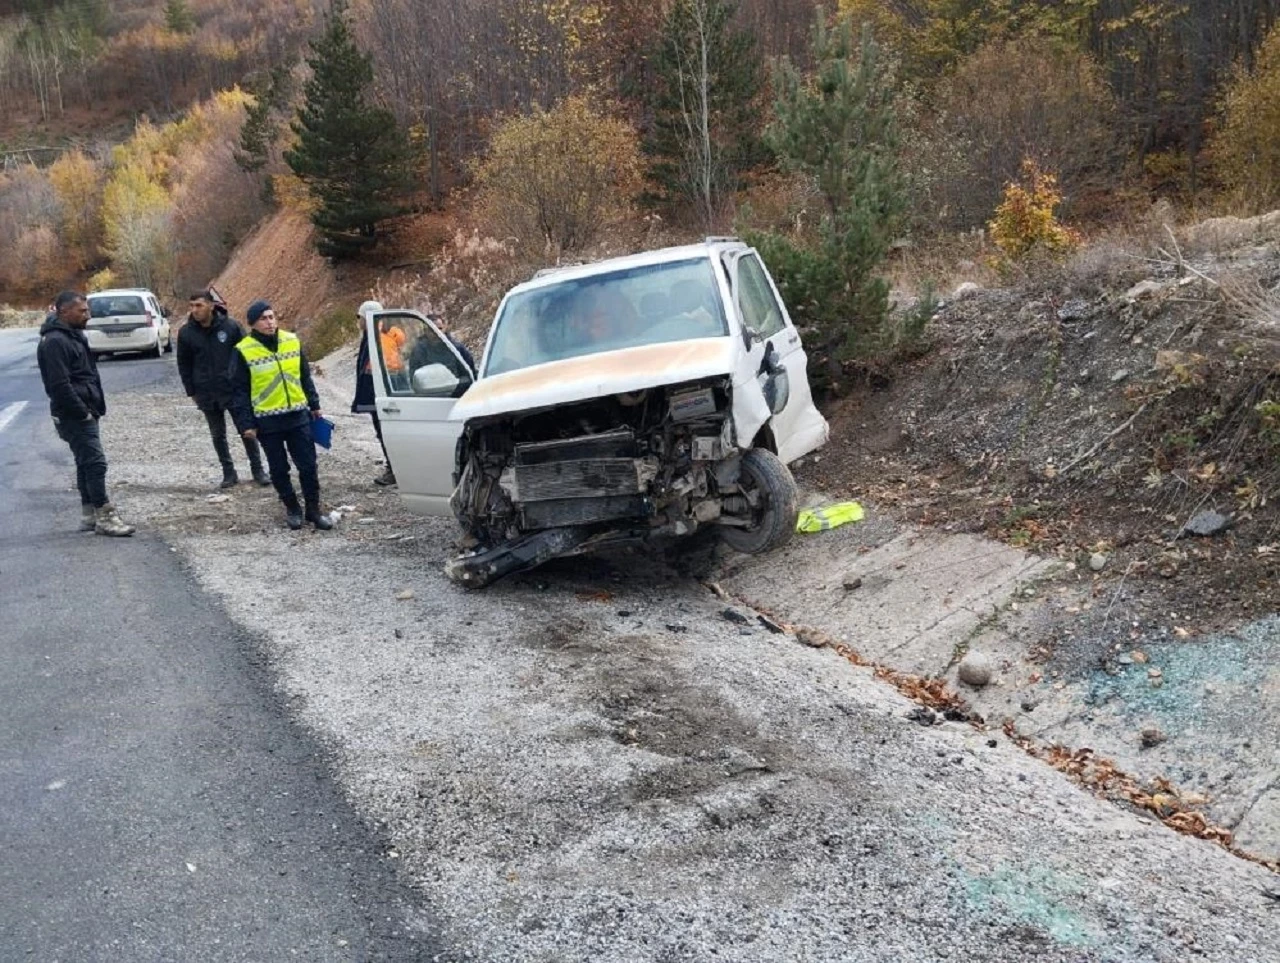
column 594, row 763
column 1178, row 729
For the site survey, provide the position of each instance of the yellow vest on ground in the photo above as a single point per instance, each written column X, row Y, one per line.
column 275, row 377
column 831, row 516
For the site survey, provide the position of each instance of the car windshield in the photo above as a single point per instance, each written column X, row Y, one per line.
column 636, row 306
column 113, row 307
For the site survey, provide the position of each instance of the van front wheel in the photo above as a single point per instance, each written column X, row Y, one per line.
column 770, row 507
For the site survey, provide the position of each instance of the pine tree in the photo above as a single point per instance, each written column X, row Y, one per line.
column 705, row 105
column 351, row 155
column 259, row 131
column 178, row 18
column 839, row 128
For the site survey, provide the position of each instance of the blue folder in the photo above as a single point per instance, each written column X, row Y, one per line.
column 322, row 432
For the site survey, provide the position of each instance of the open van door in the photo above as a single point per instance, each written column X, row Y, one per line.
column 418, row 376
column 798, row 426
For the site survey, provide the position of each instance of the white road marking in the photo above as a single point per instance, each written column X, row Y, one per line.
column 9, row 412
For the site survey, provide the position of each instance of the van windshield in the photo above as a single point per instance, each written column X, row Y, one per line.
column 115, row 306
column 653, row 304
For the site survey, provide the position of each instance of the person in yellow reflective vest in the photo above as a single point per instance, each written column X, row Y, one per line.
column 274, row 400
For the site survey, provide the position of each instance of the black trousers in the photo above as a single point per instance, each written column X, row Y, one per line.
column 298, row 444
column 91, row 461
column 377, row 430
column 216, row 418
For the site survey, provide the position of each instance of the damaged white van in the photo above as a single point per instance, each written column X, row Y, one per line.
column 647, row 395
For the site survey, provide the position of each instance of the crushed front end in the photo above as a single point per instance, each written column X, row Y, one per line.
column 536, row 484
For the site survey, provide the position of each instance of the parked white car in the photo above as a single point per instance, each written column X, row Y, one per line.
column 644, row 395
column 127, row 319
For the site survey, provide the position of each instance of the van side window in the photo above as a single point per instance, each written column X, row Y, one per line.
column 760, row 309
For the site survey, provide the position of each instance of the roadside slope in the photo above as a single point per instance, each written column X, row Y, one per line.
column 594, row 762
column 278, row 261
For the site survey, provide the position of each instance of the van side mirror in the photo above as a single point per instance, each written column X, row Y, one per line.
column 436, row 380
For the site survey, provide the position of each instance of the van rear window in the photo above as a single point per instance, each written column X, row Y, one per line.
column 114, row 307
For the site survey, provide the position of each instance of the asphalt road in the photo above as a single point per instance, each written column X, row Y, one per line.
column 156, row 803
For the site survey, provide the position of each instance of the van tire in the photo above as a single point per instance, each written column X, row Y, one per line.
column 764, row 472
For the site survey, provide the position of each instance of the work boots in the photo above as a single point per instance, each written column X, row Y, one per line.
column 260, row 475
column 229, row 477
column 318, row 519
column 88, row 518
column 109, row 523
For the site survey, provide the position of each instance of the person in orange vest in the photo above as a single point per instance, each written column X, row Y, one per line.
column 392, row 339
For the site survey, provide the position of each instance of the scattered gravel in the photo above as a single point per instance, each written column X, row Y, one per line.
column 567, row 780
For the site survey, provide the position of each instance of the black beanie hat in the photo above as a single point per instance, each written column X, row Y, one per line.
column 257, row 310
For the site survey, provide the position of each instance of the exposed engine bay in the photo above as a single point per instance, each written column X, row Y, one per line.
column 535, row 484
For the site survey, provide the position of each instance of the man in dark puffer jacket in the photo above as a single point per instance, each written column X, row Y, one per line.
column 77, row 401
column 205, row 346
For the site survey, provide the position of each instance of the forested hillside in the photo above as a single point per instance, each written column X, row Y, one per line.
column 142, row 138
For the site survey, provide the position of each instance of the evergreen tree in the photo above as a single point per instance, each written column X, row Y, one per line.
column 259, row 131
column 705, row 107
column 839, row 128
column 351, row 155
column 178, row 18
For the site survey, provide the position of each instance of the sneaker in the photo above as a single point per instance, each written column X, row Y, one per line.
column 387, row 478
column 229, row 478
column 109, row 523
column 260, row 476
column 88, row 518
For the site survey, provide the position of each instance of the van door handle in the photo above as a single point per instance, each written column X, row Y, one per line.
column 391, row 409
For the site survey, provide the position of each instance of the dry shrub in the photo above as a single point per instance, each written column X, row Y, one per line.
column 780, row 203
column 1010, row 100
column 468, row 278
column 1246, row 149
column 1026, row 223
column 32, row 258
column 553, row 180
column 102, row 280
column 941, row 262
column 416, row 238
column 39, row 259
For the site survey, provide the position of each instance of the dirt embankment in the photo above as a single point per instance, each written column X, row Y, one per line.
column 278, row 262
column 1094, row 420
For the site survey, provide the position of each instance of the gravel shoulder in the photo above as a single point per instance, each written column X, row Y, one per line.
column 593, row 762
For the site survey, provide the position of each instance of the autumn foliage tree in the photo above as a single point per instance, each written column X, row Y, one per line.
column 1026, row 224
column 77, row 180
column 553, row 179
column 1027, row 96
column 1246, row 149
column 350, row 153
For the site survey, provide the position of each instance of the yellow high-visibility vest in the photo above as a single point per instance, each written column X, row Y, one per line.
column 275, row 377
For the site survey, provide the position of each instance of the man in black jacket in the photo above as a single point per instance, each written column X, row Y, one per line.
column 76, row 401
column 274, row 400
column 205, row 346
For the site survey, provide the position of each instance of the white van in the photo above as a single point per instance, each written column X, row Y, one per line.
column 127, row 319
